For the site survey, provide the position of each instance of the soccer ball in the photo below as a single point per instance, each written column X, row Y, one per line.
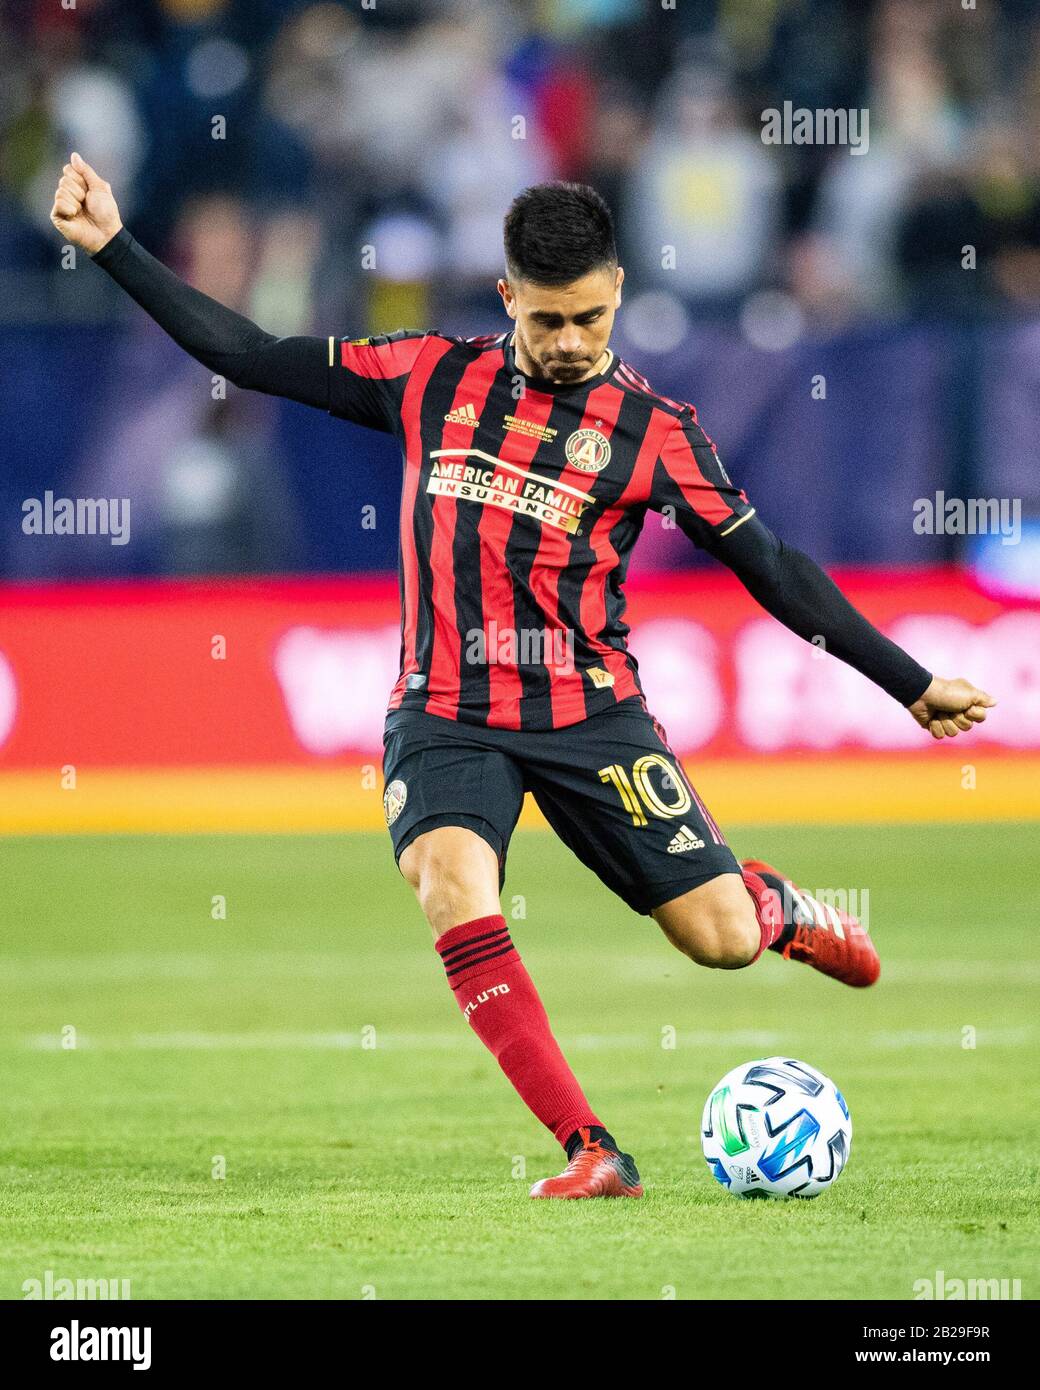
column 776, row 1128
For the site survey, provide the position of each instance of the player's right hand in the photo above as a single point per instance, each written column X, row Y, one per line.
column 84, row 209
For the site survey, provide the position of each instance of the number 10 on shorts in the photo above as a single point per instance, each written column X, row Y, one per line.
column 639, row 788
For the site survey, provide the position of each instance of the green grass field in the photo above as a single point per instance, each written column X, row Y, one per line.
column 401, row 1169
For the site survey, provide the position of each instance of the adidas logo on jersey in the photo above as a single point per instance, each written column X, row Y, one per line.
column 463, row 415
column 684, row 840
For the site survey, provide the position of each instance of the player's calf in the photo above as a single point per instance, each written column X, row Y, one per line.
column 455, row 876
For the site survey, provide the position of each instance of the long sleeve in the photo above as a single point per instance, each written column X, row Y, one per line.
column 691, row 482
column 796, row 591
column 222, row 340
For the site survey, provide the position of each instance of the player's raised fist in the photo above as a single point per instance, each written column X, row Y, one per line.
column 949, row 707
column 84, row 209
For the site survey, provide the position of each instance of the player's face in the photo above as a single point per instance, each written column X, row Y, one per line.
column 562, row 330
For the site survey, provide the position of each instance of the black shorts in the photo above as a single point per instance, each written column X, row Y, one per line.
column 610, row 786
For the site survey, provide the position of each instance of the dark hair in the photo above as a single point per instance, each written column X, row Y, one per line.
column 557, row 232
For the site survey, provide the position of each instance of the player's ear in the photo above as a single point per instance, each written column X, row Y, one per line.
column 618, row 282
column 508, row 297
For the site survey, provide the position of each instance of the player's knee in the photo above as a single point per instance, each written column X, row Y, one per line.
column 445, row 891
column 728, row 940
column 722, row 936
column 713, row 925
column 454, row 880
column 434, row 877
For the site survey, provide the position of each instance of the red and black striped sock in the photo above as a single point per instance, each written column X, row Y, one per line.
column 498, row 998
column 769, row 909
column 793, row 915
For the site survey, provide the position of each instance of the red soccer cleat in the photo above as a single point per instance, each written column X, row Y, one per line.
column 593, row 1172
column 822, row 936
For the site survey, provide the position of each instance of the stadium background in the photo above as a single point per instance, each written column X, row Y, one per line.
column 226, row 669
column 337, row 168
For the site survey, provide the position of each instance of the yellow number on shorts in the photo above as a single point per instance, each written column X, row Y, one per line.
column 617, row 775
column 641, row 773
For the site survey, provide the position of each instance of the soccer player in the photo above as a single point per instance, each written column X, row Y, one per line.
column 531, row 458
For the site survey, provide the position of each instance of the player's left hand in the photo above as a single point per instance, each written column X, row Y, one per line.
column 950, row 707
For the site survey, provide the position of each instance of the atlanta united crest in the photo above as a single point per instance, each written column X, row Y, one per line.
column 588, row 451
column 394, row 798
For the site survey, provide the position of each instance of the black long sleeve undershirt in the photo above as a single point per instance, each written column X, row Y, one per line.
column 225, row 342
column 793, row 588
column 784, row 581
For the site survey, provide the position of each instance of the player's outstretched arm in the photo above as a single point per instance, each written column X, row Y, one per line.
column 86, row 214
column 793, row 588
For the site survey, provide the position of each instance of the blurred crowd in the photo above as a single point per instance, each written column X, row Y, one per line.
column 343, row 166
column 300, row 159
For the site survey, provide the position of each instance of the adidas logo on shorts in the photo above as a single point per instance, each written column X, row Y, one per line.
column 685, row 840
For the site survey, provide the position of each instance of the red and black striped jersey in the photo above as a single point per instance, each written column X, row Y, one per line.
column 520, row 505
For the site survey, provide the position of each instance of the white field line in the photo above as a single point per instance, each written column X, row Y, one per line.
column 670, row 972
column 753, row 1041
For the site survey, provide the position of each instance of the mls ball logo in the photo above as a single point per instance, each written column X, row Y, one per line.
column 394, row 798
column 588, row 451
